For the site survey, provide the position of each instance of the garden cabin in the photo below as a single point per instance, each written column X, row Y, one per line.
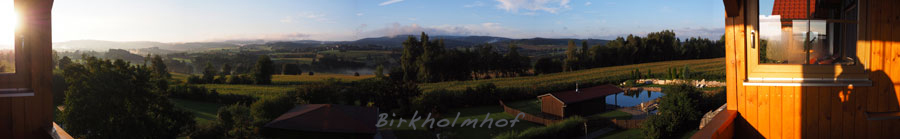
column 325, row 121
column 582, row 102
column 810, row 69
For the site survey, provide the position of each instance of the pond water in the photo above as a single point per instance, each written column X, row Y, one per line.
column 632, row 99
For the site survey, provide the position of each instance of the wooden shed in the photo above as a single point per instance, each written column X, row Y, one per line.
column 324, row 121
column 810, row 69
column 581, row 102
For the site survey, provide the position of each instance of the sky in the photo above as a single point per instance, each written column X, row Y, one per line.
column 342, row 20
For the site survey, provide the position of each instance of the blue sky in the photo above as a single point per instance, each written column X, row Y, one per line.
column 214, row 20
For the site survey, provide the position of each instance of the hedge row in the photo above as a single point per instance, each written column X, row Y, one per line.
column 441, row 100
column 199, row 93
column 569, row 128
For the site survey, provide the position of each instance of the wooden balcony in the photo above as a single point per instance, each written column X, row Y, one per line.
column 58, row 133
column 720, row 127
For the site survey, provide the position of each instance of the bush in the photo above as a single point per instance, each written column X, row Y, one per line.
column 678, row 112
column 569, row 128
column 712, row 101
column 59, row 88
column 199, row 93
column 439, row 101
column 484, row 94
column 233, row 121
column 194, row 79
column 209, row 130
column 236, row 121
column 269, row 108
column 239, row 79
column 319, row 93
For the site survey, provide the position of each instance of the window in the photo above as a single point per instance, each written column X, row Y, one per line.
column 794, row 32
column 803, row 40
column 7, row 39
column 13, row 72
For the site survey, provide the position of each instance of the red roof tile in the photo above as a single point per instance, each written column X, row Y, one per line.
column 328, row 118
column 793, row 9
column 583, row 94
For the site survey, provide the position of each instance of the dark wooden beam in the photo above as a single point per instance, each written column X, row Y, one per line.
column 732, row 7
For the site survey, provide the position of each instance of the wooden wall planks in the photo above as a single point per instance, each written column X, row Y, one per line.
column 31, row 116
column 822, row 112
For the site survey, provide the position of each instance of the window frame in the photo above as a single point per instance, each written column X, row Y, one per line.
column 18, row 83
column 800, row 72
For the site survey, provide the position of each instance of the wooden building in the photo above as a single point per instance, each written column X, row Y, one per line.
column 810, row 69
column 26, row 109
column 581, row 102
column 324, row 121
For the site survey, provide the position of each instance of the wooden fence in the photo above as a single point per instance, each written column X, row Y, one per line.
column 529, row 117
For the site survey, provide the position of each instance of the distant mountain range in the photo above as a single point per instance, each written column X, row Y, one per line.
column 98, row 45
column 388, row 42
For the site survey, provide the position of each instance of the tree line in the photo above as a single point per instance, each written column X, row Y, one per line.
column 657, row 46
column 426, row 60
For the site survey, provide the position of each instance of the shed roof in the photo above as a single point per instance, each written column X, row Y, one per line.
column 328, row 118
column 569, row 97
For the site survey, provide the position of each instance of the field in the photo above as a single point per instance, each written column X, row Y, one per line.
column 281, row 83
column 250, row 90
column 204, row 112
column 584, row 76
column 318, row 77
column 355, row 55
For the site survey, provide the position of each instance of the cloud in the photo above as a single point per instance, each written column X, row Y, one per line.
column 588, row 3
column 268, row 37
column 483, row 29
column 287, row 19
column 475, row 4
column 307, row 15
column 389, row 2
column 359, row 14
column 550, row 6
column 710, row 33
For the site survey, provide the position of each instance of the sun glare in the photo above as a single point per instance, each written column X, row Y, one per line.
column 8, row 24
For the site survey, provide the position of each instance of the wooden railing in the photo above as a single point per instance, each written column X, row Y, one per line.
column 58, row 133
column 720, row 127
column 528, row 116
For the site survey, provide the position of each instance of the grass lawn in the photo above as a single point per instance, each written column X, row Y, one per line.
column 636, row 134
column 496, row 112
column 624, row 134
column 616, row 114
column 532, row 106
column 203, row 111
